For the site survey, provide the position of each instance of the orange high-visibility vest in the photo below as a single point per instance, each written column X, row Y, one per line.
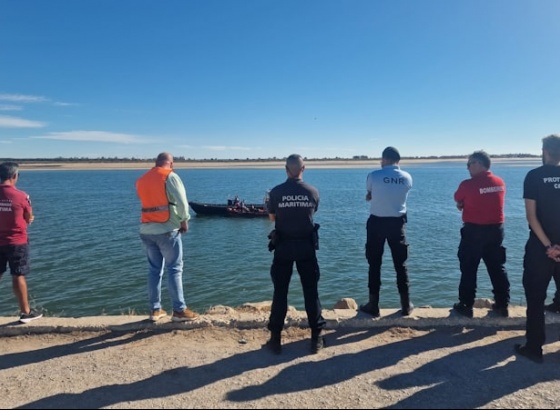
column 150, row 188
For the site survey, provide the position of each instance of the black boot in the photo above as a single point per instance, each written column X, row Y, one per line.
column 317, row 341
column 406, row 306
column 372, row 307
column 553, row 307
column 274, row 343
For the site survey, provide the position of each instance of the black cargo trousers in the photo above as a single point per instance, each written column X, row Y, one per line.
column 483, row 242
column 538, row 270
column 392, row 231
column 300, row 251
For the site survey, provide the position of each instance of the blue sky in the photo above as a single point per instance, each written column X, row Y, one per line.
column 228, row 79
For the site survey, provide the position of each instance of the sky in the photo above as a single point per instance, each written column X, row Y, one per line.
column 250, row 79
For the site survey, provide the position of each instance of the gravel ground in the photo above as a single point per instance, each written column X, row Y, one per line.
column 394, row 367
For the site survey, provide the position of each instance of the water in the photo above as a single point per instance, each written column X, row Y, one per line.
column 87, row 258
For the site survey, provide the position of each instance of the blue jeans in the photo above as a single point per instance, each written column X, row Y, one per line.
column 165, row 250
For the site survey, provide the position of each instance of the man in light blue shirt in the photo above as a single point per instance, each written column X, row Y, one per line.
column 387, row 192
column 165, row 217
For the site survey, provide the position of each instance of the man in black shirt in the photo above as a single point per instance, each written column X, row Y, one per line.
column 292, row 206
column 541, row 191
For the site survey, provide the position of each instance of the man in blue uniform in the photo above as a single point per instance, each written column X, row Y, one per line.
column 387, row 191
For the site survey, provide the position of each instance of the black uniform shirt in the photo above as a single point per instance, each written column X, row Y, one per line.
column 543, row 185
column 294, row 202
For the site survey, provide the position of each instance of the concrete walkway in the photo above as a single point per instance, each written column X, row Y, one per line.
column 253, row 316
column 435, row 358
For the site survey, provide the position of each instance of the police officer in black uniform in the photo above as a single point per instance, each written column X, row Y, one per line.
column 541, row 262
column 292, row 205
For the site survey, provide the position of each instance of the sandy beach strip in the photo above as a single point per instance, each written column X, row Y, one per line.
column 256, row 164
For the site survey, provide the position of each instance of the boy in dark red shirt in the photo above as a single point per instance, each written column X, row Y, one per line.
column 481, row 199
column 15, row 215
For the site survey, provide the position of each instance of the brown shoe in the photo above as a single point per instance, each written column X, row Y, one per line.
column 184, row 316
column 157, row 315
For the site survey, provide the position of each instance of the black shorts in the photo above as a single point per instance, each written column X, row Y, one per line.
column 16, row 257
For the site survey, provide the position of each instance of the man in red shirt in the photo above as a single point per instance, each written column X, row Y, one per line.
column 15, row 215
column 481, row 200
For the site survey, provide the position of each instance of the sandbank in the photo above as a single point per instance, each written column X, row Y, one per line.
column 254, row 164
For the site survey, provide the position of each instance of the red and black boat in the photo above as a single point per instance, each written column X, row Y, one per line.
column 234, row 208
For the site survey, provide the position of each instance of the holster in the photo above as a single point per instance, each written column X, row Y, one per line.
column 315, row 236
column 273, row 236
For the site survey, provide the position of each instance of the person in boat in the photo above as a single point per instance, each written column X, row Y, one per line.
column 239, row 205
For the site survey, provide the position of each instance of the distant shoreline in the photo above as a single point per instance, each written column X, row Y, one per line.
column 310, row 164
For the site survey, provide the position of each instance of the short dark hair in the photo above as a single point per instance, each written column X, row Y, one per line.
column 294, row 164
column 8, row 170
column 482, row 157
column 552, row 145
column 392, row 154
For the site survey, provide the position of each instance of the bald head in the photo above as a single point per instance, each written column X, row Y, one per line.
column 294, row 166
column 164, row 160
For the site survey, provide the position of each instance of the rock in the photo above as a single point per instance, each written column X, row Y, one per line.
column 220, row 310
column 259, row 307
column 483, row 304
column 346, row 303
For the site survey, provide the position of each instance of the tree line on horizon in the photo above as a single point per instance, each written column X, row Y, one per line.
column 273, row 159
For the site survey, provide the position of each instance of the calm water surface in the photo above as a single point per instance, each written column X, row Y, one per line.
column 87, row 258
